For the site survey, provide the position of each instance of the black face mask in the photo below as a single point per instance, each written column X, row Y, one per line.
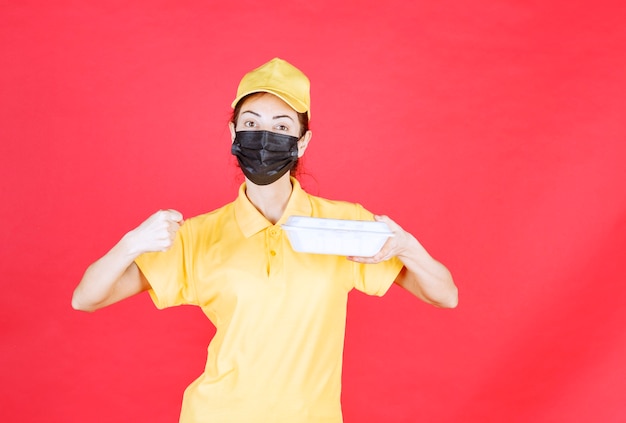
column 264, row 156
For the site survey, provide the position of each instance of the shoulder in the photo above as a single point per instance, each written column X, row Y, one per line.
column 338, row 209
column 210, row 218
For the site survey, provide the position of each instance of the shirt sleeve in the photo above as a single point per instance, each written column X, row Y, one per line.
column 169, row 273
column 375, row 279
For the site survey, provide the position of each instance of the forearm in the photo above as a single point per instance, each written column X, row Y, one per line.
column 425, row 277
column 108, row 279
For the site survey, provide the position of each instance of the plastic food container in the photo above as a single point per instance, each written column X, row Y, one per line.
column 336, row 236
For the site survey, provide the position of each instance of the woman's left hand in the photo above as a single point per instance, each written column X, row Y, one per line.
column 422, row 275
column 396, row 245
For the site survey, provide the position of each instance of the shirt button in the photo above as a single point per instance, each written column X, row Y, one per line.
column 272, row 252
column 273, row 232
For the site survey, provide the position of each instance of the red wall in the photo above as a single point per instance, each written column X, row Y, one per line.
column 493, row 131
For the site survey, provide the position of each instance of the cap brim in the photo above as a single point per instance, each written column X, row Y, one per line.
column 298, row 106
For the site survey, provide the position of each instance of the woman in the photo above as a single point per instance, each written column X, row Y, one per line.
column 280, row 315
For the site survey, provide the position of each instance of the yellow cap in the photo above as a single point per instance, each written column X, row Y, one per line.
column 280, row 78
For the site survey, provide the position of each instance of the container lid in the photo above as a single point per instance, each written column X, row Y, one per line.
column 296, row 223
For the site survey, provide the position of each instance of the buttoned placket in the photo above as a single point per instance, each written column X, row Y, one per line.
column 274, row 256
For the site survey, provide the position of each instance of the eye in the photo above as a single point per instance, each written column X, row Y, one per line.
column 249, row 124
column 283, row 128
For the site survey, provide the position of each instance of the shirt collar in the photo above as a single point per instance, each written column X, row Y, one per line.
column 251, row 221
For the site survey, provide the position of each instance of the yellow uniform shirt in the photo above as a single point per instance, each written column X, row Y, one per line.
column 280, row 315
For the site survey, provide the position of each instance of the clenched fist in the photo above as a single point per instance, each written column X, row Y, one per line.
column 156, row 233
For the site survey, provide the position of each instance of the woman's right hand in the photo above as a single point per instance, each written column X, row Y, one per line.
column 115, row 276
column 156, row 233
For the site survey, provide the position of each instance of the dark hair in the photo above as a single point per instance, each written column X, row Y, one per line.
column 303, row 120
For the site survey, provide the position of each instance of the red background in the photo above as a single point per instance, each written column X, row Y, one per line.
column 493, row 131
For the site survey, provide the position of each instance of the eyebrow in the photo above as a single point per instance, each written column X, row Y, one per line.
column 283, row 116
column 274, row 117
